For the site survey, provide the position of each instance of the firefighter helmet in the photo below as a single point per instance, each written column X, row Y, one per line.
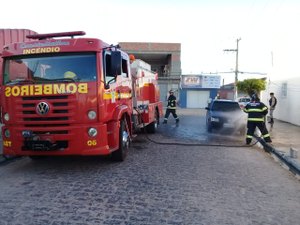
column 255, row 98
column 70, row 74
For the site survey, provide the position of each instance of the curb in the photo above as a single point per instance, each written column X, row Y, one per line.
column 287, row 162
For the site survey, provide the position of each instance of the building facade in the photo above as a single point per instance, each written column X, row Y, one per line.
column 197, row 90
column 192, row 91
column 287, row 93
column 164, row 58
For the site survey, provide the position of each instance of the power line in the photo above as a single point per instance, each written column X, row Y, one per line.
column 242, row 72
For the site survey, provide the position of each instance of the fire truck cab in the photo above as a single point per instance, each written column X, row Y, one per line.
column 74, row 96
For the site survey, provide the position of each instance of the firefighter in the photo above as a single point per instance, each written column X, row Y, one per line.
column 257, row 112
column 171, row 107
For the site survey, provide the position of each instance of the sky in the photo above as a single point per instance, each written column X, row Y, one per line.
column 267, row 30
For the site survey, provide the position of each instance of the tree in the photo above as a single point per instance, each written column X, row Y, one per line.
column 251, row 85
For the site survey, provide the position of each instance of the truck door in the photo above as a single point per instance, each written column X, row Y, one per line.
column 117, row 79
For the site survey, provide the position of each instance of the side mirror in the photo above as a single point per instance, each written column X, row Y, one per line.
column 116, row 63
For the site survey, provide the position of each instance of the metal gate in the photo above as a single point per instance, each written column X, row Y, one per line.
column 197, row 99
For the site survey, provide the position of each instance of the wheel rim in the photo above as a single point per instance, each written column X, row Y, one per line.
column 156, row 120
column 125, row 140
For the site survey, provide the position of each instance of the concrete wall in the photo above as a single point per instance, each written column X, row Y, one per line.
column 165, row 58
column 287, row 92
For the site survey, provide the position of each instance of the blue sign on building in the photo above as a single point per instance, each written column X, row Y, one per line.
column 196, row 90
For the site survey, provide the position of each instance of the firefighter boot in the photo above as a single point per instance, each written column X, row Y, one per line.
column 177, row 120
column 248, row 141
column 268, row 140
column 271, row 120
column 165, row 122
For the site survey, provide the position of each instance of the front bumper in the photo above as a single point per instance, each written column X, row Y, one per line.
column 74, row 141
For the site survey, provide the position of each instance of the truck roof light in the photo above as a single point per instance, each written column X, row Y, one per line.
column 52, row 35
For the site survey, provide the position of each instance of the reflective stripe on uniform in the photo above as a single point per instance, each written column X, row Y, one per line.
column 256, row 110
column 256, row 119
column 249, row 136
column 266, row 135
column 171, row 107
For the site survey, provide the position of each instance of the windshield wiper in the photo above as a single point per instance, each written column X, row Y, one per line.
column 20, row 81
column 42, row 79
column 64, row 80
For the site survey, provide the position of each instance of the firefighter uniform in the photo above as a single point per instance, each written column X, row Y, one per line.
column 256, row 118
column 171, row 108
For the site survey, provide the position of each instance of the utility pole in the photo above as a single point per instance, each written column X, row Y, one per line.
column 236, row 65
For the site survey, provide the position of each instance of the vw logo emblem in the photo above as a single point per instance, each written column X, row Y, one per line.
column 42, row 108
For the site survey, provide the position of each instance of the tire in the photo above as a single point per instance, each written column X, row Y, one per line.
column 152, row 127
column 124, row 142
column 208, row 126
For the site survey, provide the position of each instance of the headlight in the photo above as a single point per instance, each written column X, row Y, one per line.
column 92, row 115
column 213, row 119
column 6, row 116
column 7, row 133
column 92, row 132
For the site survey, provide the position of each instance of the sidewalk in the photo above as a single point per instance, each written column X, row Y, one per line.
column 284, row 137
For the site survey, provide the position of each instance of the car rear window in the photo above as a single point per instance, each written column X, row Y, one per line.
column 225, row 106
column 244, row 100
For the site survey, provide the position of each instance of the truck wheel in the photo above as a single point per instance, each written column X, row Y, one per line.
column 124, row 141
column 152, row 127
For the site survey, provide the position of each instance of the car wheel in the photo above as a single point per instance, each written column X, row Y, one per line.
column 209, row 127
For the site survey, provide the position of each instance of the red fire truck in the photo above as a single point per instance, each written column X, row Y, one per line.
column 66, row 95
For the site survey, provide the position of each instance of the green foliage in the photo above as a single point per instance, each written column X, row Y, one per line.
column 250, row 85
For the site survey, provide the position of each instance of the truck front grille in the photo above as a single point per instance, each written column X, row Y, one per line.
column 51, row 131
column 61, row 112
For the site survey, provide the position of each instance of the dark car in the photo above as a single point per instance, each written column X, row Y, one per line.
column 243, row 101
column 227, row 114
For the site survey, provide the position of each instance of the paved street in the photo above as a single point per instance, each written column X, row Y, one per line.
column 157, row 184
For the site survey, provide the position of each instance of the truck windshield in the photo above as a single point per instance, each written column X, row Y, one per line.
column 49, row 69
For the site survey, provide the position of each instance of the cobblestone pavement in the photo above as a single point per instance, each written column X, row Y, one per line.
column 157, row 184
